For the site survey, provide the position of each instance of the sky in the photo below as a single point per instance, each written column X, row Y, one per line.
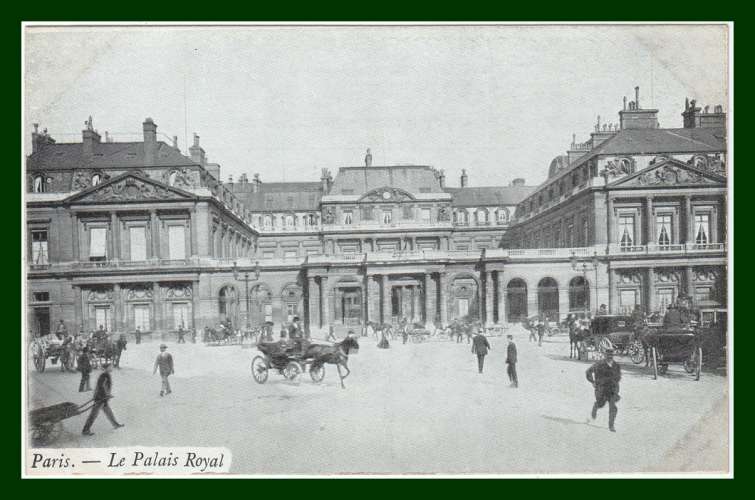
column 285, row 102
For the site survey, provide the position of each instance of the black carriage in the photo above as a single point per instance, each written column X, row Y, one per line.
column 617, row 332
column 222, row 336
column 284, row 357
column 56, row 350
column 674, row 346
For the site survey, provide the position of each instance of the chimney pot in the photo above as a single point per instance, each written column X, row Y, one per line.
column 175, row 141
column 150, row 141
column 637, row 97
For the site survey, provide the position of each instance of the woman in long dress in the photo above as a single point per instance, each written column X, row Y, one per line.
column 383, row 344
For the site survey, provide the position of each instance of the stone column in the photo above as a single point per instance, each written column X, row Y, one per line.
column 443, row 284
column 502, row 316
column 650, row 287
column 649, row 220
column 75, row 236
column 77, row 309
column 195, row 306
column 314, row 303
column 116, row 237
column 385, row 291
column 325, row 297
column 429, row 313
column 609, row 221
column 417, row 304
column 117, row 308
column 689, row 219
column 373, row 300
column 489, row 291
column 613, row 302
column 688, row 282
column 157, row 305
column 154, row 231
column 194, row 233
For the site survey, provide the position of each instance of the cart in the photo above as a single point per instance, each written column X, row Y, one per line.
column 280, row 356
column 46, row 423
column 42, row 348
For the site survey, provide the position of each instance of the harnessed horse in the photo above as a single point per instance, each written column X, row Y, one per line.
column 336, row 354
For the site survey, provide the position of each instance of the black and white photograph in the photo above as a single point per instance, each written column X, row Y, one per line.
column 377, row 250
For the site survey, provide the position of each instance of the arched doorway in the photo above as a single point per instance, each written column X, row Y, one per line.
column 228, row 305
column 547, row 299
column 579, row 295
column 466, row 299
column 516, row 300
column 260, row 304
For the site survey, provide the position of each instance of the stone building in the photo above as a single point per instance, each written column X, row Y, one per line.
column 138, row 234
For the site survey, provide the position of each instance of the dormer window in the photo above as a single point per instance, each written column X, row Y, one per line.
column 96, row 179
column 172, row 178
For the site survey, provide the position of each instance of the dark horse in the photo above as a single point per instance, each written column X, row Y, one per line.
column 336, row 354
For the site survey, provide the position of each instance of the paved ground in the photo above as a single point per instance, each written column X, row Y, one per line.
column 416, row 408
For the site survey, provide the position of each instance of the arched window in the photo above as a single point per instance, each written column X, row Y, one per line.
column 39, row 185
column 96, row 179
column 482, row 216
column 516, row 298
column 289, row 221
column 547, row 299
column 579, row 295
column 172, row 178
column 503, row 216
column 268, row 221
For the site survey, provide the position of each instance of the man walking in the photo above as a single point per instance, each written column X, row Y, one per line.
column 164, row 362
column 102, row 394
column 511, row 362
column 85, row 367
column 480, row 347
column 605, row 376
column 181, row 334
column 540, row 331
column 138, row 335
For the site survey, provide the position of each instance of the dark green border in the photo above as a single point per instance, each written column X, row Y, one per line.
column 383, row 11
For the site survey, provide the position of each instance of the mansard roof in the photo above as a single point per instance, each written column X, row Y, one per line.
column 661, row 140
column 411, row 178
column 489, row 195
column 278, row 196
column 66, row 156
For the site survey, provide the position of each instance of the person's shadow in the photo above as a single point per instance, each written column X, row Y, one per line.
column 568, row 421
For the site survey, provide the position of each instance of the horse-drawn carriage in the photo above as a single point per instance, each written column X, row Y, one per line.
column 50, row 346
column 674, row 346
column 222, row 335
column 292, row 358
column 609, row 332
column 417, row 332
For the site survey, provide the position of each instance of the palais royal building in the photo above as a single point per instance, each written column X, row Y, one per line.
column 139, row 234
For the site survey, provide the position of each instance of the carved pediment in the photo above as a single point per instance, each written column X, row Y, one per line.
column 387, row 194
column 129, row 188
column 671, row 173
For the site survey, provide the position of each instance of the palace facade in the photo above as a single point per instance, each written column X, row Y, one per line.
column 138, row 234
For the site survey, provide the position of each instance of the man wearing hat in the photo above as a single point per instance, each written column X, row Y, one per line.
column 480, row 347
column 511, row 362
column 102, row 394
column 605, row 376
column 84, row 365
column 164, row 362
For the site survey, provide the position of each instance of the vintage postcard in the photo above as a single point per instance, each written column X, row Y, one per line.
column 377, row 249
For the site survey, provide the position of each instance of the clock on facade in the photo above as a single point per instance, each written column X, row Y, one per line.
column 386, row 195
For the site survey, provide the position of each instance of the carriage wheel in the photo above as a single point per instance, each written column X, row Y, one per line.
column 691, row 362
column 259, row 369
column 39, row 358
column 604, row 344
column 45, row 434
column 317, row 374
column 292, row 370
column 654, row 359
column 636, row 352
column 699, row 364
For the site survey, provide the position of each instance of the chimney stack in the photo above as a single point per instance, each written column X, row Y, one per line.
column 39, row 139
column 637, row 97
column 442, row 178
column 368, row 158
column 175, row 142
column 519, row 181
column 150, row 141
column 256, row 183
column 89, row 137
column 636, row 117
column 695, row 117
column 197, row 153
column 464, row 178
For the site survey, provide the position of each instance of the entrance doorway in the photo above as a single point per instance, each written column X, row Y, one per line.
column 41, row 321
column 351, row 306
column 547, row 299
column 516, row 299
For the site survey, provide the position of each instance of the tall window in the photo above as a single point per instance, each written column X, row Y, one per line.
column 97, row 178
column 98, row 243
column 39, row 185
column 181, row 315
column 408, row 212
column 176, row 243
column 138, row 243
column 268, row 312
column 141, row 317
column 367, row 212
column 172, row 178
column 663, row 229
column 268, row 221
column 626, row 230
column 702, row 229
column 425, row 214
column 665, row 297
column 39, row 247
column 347, row 218
column 387, row 216
column 585, row 231
column 627, row 300
column 482, row 217
column 102, row 317
column 502, row 218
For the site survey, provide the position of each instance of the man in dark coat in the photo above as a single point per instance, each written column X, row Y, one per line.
column 480, row 347
column 85, row 367
column 181, row 334
column 120, row 346
column 511, row 362
column 138, row 335
column 102, row 394
column 164, row 362
column 672, row 320
column 605, row 376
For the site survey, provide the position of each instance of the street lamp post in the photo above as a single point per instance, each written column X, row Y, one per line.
column 246, row 279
